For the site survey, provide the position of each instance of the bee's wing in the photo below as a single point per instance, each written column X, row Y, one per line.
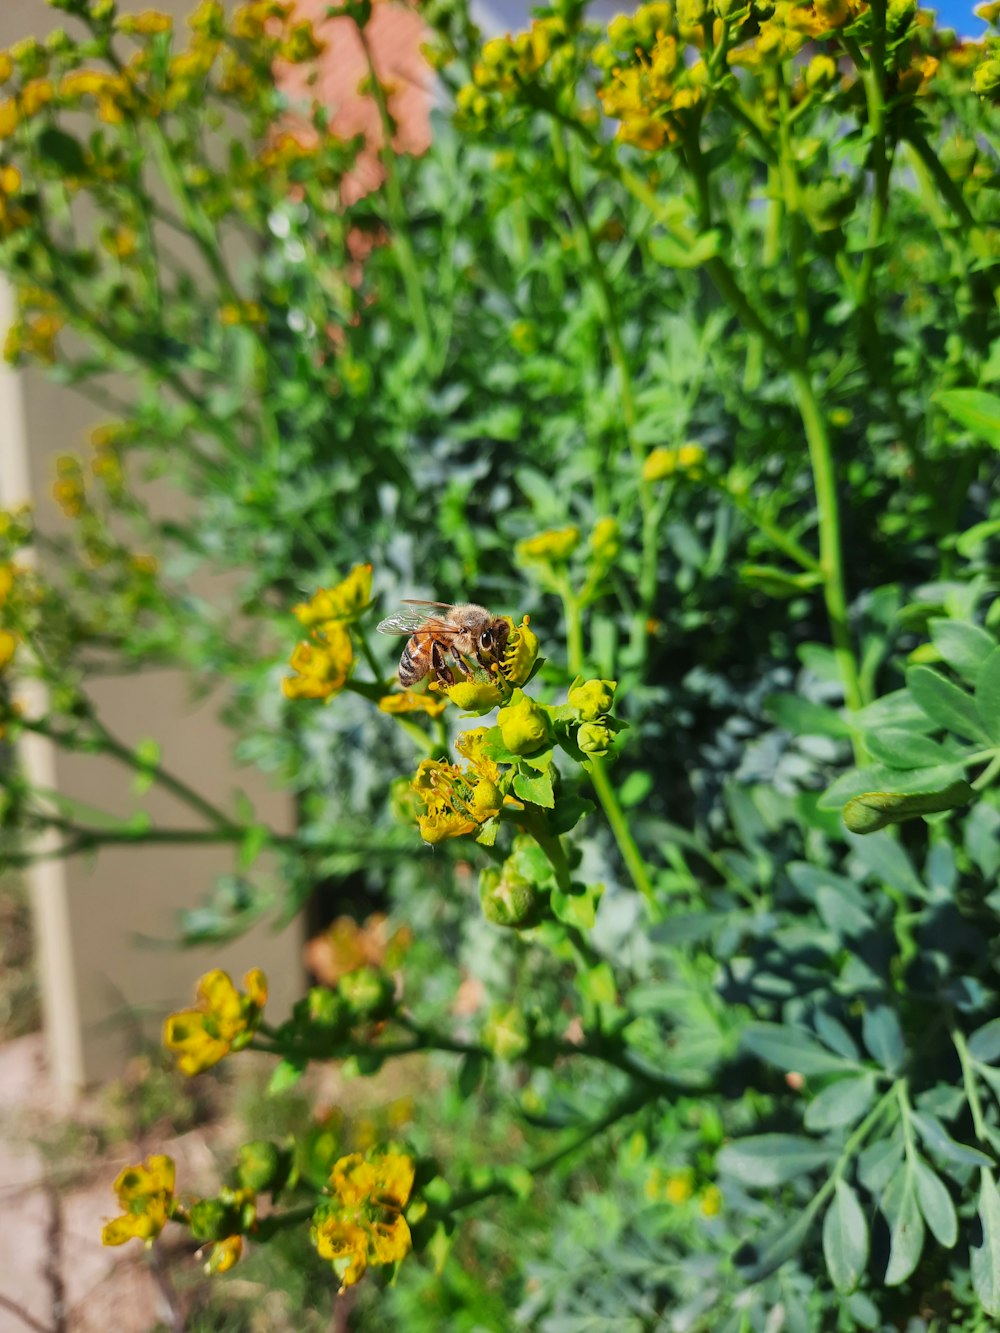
column 412, row 618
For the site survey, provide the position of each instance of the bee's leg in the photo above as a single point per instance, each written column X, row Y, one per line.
column 442, row 672
column 461, row 663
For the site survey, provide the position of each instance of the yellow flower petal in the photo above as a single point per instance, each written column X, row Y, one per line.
column 119, row 1231
column 256, row 987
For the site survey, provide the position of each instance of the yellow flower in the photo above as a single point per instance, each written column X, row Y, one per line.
column 9, row 118
column 223, row 1020
column 549, row 548
column 711, row 1201
column 147, row 24
column 345, row 602
column 35, row 95
column 679, row 1186
column 8, row 647
column 363, row 1224
column 661, row 463
column 410, row 701
column 68, row 490
column 321, row 667
column 224, row 1255
column 146, row 1194
column 6, row 66
column 10, row 180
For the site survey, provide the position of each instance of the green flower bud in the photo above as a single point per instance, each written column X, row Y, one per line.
column 506, row 1034
column 327, row 1009
column 485, row 801
column 594, row 738
column 621, row 32
column 649, row 20
column 986, row 78
column 474, row 696
column 258, row 1165
column 524, row 725
column 592, row 698
column 368, row 992
column 553, row 547
column 510, row 899
column 211, row 1219
column 821, row 72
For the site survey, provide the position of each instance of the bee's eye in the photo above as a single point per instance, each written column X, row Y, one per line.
column 486, row 640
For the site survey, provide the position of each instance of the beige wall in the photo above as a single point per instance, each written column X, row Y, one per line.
column 98, row 922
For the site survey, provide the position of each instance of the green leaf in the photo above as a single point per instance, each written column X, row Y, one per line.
column 894, row 781
column 779, row 1244
column 964, row 646
column 536, row 789
column 940, row 1143
column 673, row 254
column 945, row 703
column 984, row 1044
column 792, row 1049
column 772, row 1159
column 874, row 810
column 936, row 1205
column 988, row 695
column 778, row 582
column 470, row 1074
column 285, row 1075
column 985, row 1257
column 845, row 1238
column 905, row 749
column 635, row 788
column 63, row 151
column 577, row 906
column 252, row 845
column 883, row 1037
column 979, row 412
column 906, row 1229
column 967, row 543
column 842, row 1103
column 802, row 717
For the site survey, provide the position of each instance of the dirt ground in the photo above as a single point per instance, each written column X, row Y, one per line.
column 55, row 1275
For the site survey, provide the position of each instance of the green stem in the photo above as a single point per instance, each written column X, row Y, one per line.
column 873, row 76
column 402, row 244
column 969, row 1081
column 777, row 535
column 633, row 1101
column 830, row 554
column 627, row 845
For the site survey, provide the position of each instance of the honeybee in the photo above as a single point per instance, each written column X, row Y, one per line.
column 439, row 644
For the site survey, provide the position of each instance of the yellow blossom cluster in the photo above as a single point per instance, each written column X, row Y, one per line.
column 363, row 1223
column 546, row 54
column 322, row 663
column 651, row 89
column 457, row 801
column 684, row 460
column 146, row 1196
column 13, row 214
column 791, row 25
column 222, row 1020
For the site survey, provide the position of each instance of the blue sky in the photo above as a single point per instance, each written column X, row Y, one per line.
column 504, row 15
column 958, row 14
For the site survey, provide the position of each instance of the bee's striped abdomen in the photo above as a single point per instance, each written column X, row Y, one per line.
column 411, row 668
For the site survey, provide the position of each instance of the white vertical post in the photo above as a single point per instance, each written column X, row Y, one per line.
column 47, row 877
